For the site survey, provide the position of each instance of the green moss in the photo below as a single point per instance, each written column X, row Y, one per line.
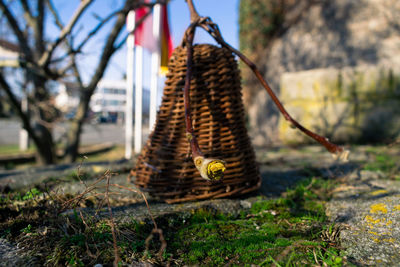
column 260, row 237
column 385, row 162
column 285, row 231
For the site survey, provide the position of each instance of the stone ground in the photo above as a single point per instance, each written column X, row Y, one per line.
column 365, row 204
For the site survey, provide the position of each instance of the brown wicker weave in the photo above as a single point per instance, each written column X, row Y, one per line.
column 165, row 168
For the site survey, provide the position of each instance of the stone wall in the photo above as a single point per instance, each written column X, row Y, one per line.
column 329, row 34
column 352, row 104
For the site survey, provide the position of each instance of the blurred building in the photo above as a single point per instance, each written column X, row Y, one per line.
column 9, row 54
column 107, row 104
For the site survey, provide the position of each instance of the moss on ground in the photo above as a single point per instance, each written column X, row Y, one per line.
column 285, row 231
column 288, row 231
column 385, row 160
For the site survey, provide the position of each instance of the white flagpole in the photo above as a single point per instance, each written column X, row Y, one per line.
column 129, row 86
column 138, row 98
column 23, row 134
column 155, row 65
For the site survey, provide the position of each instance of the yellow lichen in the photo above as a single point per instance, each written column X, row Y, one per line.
column 396, row 208
column 376, row 240
column 389, row 240
column 374, row 233
column 389, row 223
column 379, row 192
column 378, row 208
column 370, row 219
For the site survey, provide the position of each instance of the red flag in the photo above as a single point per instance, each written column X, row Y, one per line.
column 166, row 41
column 144, row 34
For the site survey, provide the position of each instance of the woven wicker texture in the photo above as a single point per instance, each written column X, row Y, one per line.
column 165, row 168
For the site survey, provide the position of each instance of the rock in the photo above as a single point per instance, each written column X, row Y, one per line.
column 368, row 210
column 329, row 34
column 359, row 104
column 365, row 205
column 12, row 256
column 27, row 178
column 180, row 211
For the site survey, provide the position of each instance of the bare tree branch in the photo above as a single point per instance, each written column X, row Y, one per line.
column 106, row 19
column 70, row 53
column 14, row 102
column 28, row 13
column 39, row 26
column 23, row 43
column 45, row 59
column 99, row 26
column 96, row 29
column 55, row 14
column 137, row 24
column 108, row 49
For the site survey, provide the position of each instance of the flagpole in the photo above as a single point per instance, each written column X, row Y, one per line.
column 23, row 134
column 155, row 66
column 138, row 98
column 129, row 86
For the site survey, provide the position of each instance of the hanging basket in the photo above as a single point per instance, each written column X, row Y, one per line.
column 165, row 167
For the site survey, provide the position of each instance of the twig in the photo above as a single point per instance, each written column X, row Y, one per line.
column 116, row 254
column 162, row 240
column 315, row 257
column 78, row 174
column 89, row 190
column 45, row 59
column 144, row 198
column 196, row 151
column 210, row 169
column 155, row 230
column 80, row 196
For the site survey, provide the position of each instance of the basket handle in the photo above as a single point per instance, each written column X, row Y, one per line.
column 208, row 25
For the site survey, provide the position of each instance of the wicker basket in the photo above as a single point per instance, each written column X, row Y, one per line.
column 165, row 168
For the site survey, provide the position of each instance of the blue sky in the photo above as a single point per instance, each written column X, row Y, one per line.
column 223, row 12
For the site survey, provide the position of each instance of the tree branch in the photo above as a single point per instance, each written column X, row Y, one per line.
column 71, row 52
column 194, row 146
column 45, row 59
column 213, row 30
column 96, row 29
column 194, row 16
column 140, row 21
column 210, row 169
column 137, row 24
column 14, row 102
column 55, row 14
column 108, row 49
column 28, row 13
column 23, row 43
column 39, row 27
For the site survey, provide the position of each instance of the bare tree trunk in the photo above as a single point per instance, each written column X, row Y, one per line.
column 74, row 131
column 109, row 48
column 44, row 117
column 45, row 152
column 40, row 135
column 38, row 58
